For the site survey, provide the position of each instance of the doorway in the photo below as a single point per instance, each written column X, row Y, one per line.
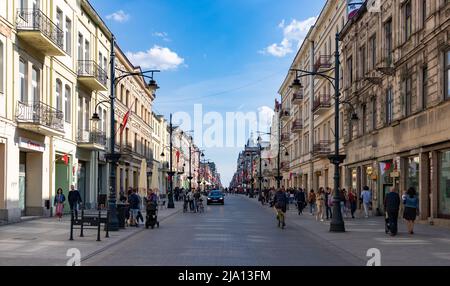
column 22, row 182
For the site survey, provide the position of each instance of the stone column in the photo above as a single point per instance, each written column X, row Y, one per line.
column 424, row 185
column 434, row 183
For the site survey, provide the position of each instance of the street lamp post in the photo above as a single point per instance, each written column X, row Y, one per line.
column 260, row 178
column 337, row 223
column 112, row 157
column 171, row 173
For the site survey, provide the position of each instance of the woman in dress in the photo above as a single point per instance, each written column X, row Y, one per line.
column 59, row 203
column 320, row 201
column 411, row 202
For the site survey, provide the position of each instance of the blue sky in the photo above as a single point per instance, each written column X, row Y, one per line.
column 228, row 55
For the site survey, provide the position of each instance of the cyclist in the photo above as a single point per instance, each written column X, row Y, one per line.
column 280, row 203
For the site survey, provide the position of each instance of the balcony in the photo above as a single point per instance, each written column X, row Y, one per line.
column 92, row 140
column 321, row 104
column 322, row 149
column 285, row 113
column 386, row 66
column 297, row 126
column 91, row 75
column 322, row 62
column 34, row 27
column 40, row 118
column 297, row 98
column 285, row 166
column 285, row 137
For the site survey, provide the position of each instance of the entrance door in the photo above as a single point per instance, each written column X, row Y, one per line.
column 22, row 181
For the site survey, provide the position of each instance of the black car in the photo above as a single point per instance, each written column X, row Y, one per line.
column 215, row 197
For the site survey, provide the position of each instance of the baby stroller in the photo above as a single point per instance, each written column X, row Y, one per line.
column 152, row 215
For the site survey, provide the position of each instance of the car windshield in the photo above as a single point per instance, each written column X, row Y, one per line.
column 215, row 194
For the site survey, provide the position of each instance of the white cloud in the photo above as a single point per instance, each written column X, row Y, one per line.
column 119, row 16
column 293, row 36
column 162, row 35
column 156, row 58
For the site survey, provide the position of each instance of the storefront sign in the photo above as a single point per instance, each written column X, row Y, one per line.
column 31, row 145
column 395, row 174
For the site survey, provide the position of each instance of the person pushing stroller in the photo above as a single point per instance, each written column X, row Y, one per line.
column 151, row 203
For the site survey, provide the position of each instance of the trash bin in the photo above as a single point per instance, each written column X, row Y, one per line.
column 121, row 208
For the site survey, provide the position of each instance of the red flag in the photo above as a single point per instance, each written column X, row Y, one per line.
column 178, row 156
column 65, row 158
column 126, row 117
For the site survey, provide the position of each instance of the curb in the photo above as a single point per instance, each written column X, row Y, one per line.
column 96, row 252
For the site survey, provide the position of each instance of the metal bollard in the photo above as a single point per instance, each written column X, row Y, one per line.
column 99, row 223
column 71, row 225
column 107, row 223
column 82, row 223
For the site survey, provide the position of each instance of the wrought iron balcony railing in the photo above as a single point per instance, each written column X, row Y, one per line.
column 39, row 113
column 92, row 69
column 297, row 98
column 297, row 126
column 92, row 137
column 36, row 20
column 323, row 61
column 322, row 148
column 322, row 101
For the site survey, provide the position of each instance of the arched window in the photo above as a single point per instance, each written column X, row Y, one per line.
column 59, row 95
column 67, row 103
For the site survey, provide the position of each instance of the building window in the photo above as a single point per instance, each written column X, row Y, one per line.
column 35, row 85
column 444, row 185
column 364, row 119
column 408, row 20
column 389, row 106
column 67, row 103
column 447, row 74
column 350, row 71
column 424, row 13
column 388, row 41
column 373, row 52
column 408, row 95
column 363, row 59
column 87, row 51
column 23, row 81
column 80, row 47
column 424, row 86
column 68, row 36
column 2, row 68
column 59, row 95
column 100, row 58
column 374, row 113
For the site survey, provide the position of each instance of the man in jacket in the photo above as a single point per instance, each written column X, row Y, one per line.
column 74, row 200
column 392, row 207
column 301, row 200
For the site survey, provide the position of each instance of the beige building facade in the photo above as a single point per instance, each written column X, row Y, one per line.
column 53, row 57
column 396, row 64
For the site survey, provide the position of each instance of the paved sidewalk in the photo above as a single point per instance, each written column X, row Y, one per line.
column 44, row 242
column 429, row 246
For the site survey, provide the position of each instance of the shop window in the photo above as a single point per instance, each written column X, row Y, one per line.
column 444, row 185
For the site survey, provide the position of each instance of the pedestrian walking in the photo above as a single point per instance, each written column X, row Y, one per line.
column 301, row 200
column 329, row 203
column 366, row 197
column 353, row 201
column 312, row 202
column 320, row 201
column 59, row 203
column 343, row 201
column 392, row 206
column 411, row 211
column 74, row 200
column 280, row 203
